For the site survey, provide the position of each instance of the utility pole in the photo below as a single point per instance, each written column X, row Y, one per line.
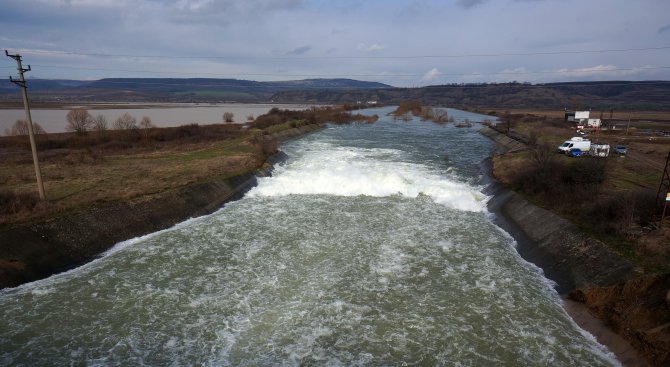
column 663, row 193
column 29, row 121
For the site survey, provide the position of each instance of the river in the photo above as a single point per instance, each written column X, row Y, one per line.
column 370, row 246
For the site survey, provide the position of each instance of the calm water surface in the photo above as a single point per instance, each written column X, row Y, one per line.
column 366, row 248
column 54, row 120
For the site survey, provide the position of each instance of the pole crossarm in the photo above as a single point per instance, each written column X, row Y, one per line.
column 20, row 83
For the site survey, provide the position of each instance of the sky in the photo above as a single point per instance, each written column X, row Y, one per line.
column 401, row 43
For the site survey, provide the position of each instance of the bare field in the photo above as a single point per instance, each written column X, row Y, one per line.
column 612, row 198
column 617, row 115
column 84, row 170
column 76, row 178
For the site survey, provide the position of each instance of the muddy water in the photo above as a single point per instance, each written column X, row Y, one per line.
column 54, row 120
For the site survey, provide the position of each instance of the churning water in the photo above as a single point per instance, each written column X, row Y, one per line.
column 371, row 245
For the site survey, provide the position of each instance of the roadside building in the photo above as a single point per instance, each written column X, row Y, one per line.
column 580, row 117
column 594, row 123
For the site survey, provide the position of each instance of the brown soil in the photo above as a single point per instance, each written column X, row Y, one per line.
column 639, row 310
column 621, row 348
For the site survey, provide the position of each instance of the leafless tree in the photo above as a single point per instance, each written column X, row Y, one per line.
column 146, row 125
column 543, row 155
column 99, row 123
column 37, row 129
column 125, row 122
column 78, row 120
column 228, row 117
column 20, row 127
column 250, row 117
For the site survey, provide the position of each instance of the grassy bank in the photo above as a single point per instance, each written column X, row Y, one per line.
column 612, row 198
column 84, row 170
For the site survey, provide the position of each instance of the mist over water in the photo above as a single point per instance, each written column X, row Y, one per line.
column 367, row 247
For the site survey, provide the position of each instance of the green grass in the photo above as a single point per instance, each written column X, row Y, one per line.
column 285, row 126
column 220, row 150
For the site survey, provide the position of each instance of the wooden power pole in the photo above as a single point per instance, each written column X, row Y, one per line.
column 33, row 146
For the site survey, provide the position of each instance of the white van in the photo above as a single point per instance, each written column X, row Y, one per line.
column 577, row 142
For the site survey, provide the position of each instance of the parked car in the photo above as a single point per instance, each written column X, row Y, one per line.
column 620, row 149
column 575, row 152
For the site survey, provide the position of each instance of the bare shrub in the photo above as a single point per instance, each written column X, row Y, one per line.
column 543, row 155
column 228, row 117
column 12, row 203
column 533, row 135
column 542, row 176
column 99, row 123
column 125, row 122
column 620, row 213
column 146, row 123
column 78, row 120
column 407, row 107
column 20, row 127
column 440, row 116
column 250, row 117
column 586, row 172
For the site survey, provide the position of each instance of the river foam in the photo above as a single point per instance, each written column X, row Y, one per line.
column 353, row 171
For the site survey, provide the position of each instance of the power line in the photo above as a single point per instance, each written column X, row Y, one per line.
column 267, row 85
column 569, row 52
column 242, row 74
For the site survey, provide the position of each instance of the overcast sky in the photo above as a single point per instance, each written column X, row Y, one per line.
column 402, row 43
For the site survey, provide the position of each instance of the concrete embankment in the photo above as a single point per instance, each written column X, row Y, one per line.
column 604, row 284
column 568, row 256
column 36, row 251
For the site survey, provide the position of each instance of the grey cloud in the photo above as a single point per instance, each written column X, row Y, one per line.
column 467, row 4
column 665, row 29
column 299, row 50
column 228, row 11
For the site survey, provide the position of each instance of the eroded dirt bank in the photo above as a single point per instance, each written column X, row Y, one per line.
column 639, row 310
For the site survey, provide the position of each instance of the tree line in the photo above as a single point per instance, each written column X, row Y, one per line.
column 80, row 121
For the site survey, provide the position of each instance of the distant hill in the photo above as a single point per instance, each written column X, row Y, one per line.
column 652, row 95
column 620, row 95
column 43, row 84
column 174, row 90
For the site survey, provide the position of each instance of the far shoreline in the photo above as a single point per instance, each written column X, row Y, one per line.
column 52, row 117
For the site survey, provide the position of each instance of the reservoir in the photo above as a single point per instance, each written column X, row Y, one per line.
column 370, row 246
column 164, row 115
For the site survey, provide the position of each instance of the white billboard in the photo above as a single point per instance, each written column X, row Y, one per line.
column 581, row 115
